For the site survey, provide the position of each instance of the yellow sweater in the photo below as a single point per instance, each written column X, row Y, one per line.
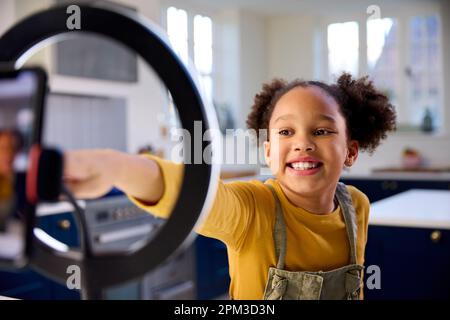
column 243, row 217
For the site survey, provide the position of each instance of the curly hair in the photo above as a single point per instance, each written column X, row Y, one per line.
column 368, row 113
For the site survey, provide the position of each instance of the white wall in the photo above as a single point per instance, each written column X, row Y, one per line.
column 253, row 70
column 7, row 13
column 227, row 62
column 240, row 60
column 241, row 67
column 290, row 47
column 147, row 99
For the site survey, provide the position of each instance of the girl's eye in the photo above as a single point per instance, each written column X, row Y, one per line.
column 284, row 132
column 321, row 132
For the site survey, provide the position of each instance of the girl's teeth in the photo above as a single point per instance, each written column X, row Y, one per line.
column 304, row 165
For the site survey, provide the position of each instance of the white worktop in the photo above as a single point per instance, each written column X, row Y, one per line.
column 413, row 208
column 420, row 176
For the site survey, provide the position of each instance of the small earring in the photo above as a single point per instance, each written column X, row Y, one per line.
column 348, row 162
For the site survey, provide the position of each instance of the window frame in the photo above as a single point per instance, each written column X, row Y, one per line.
column 192, row 11
column 403, row 33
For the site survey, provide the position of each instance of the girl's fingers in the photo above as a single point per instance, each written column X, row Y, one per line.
column 88, row 189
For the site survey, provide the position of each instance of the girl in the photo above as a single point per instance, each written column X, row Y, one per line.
column 301, row 235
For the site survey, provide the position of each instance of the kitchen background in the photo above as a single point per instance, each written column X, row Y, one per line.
column 236, row 45
column 246, row 43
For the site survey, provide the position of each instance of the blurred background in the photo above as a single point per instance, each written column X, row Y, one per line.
column 235, row 46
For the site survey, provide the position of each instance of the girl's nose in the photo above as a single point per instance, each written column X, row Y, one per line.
column 304, row 145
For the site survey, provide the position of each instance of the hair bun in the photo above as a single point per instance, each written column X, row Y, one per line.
column 368, row 111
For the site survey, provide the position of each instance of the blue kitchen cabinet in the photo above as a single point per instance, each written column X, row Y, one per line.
column 28, row 284
column 24, row 284
column 414, row 262
column 377, row 189
column 212, row 268
column 63, row 228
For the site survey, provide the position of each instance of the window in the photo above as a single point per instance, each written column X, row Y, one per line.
column 382, row 56
column 343, row 51
column 424, row 70
column 203, row 52
column 196, row 46
column 178, row 32
column 402, row 57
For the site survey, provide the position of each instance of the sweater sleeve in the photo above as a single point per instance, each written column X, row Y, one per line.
column 229, row 216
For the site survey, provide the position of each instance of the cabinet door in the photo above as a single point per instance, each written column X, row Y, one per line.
column 377, row 189
column 25, row 284
column 30, row 285
column 63, row 228
column 212, row 268
column 374, row 189
column 414, row 263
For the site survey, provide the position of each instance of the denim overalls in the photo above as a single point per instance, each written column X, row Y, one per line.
column 341, row 283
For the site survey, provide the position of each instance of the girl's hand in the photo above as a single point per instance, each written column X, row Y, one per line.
column 91, row 174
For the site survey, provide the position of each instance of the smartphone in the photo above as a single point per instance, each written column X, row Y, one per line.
column 22, row 96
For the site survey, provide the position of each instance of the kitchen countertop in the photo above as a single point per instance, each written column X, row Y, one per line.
column 243, row 173
column 407, row 175
column 362, row 176
column 401, row 173
column 413, row 208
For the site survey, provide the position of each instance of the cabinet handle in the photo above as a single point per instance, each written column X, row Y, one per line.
column 394, row 185
column 64, row 224
column 436, row 236
column 389, row 185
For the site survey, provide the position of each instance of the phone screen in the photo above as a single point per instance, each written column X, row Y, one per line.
column 20, row 96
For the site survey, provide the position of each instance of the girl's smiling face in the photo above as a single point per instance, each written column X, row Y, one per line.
column 308, row 145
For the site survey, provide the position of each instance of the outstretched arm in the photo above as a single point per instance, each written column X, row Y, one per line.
column 92, row 173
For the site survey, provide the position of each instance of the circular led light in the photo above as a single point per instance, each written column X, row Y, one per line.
column 199, row 183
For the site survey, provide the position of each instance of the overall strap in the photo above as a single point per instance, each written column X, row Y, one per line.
column 279, row 232
column 348, row 211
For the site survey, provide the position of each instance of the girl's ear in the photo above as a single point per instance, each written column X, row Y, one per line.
column 267, row 152
column 352, row 153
